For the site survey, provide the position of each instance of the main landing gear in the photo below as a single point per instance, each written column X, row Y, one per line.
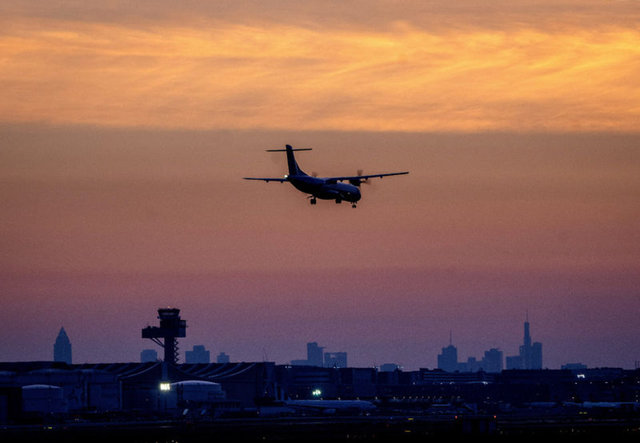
column 313, row 201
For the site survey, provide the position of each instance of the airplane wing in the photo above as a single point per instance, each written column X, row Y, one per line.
column 267, row 179
column 365, row 177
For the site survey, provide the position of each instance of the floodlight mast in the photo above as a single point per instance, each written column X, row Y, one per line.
column 171, row 327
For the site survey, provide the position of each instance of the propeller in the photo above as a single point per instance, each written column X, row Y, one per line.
column 358, row 181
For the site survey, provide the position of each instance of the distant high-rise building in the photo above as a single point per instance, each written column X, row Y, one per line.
column 222, row 358
column 448, row 359
column 335, row 359
column 148, row 355
column 492, row 361
column 317, row 357
column 314, row 354
column 62, row 347
column 198, row 355
column 536, row 356
column 530, row 355
column 514, row 362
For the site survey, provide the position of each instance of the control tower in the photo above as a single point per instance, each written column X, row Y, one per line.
column 171, row 327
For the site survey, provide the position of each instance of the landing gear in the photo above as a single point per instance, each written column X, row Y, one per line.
column 313, row 200
column 338, row 201
column 353, row 205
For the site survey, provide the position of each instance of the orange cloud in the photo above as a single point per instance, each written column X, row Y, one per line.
column 279, row 76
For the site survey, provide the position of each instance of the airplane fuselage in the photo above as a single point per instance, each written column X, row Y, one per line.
column 325, row 189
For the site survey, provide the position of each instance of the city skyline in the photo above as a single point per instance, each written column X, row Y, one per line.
column 529, row 356
column 126, row 130
column 367, row 356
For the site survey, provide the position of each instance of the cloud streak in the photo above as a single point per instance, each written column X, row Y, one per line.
column 275, row 75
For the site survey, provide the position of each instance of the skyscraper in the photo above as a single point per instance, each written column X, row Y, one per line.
column 448, row 360
column 530, row 355
column 314, row 354
column 335, row 359
column 492, row 361
column 62, row 347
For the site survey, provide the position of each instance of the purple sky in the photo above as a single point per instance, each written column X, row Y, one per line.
column 102, row 227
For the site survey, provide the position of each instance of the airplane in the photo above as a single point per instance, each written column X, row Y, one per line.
column 331, row 407
column 327, row 188
column 317, row 407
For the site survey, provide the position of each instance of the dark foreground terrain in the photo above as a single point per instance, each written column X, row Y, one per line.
column 374, row 428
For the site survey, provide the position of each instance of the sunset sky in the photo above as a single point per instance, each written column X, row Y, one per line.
column 126, row 129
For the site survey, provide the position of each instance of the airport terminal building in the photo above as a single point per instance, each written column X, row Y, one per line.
column 32, row 391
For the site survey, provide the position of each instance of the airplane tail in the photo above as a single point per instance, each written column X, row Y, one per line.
column 294, row 169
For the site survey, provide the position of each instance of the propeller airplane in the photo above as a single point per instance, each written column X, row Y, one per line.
column 327, row 188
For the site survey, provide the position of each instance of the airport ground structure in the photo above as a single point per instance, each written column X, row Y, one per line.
column 37, row 395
